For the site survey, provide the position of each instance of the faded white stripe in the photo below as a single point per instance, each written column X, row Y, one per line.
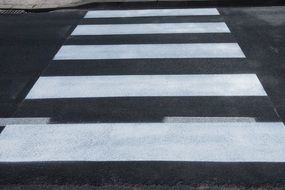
column 150, row 51
column 119, row 29
column 151, row 12
column 146, row 85
column 222, row 142
column 24, row 120
column 207, row 119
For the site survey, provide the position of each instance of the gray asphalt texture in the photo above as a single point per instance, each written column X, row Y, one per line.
column 129, row 187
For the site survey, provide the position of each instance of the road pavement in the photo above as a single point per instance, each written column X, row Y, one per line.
column 155, row 96
column 55, row 4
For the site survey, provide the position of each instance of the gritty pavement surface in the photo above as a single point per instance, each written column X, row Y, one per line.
column 127, row 187
column 41, row 4
column 59, row 84
column 53, row 4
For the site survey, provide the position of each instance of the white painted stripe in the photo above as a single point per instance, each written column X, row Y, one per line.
column 150, row 51
column 151, row 12
column 146, row 85
column 222, row 142
column 119, row 29
column 207, row 119
column 24, row 120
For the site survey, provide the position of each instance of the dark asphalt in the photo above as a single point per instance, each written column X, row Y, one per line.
column 260, row 33
column 29, row 42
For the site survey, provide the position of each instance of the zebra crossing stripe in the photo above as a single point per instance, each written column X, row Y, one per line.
column 150, row 51
column 146, row 85
column 24, row 120
column 219, row 142
column 151, row 13
column 120, row 29
column 185, row 119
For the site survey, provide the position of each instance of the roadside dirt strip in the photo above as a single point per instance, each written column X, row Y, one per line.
column 41, row 4
column 48, row 4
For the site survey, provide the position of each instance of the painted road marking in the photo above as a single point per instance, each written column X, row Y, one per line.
column 24, row 120
column 150, row 51
column 184, row 119
column 222, row 142
column 151, row 12
column 119, row 29
column 146, row 85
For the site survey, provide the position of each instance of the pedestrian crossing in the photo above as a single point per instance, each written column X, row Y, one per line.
column 162, row 28
column 146, row 85
column 224, row 142
column 126, row 89
column 150, row 51
column 150, row 13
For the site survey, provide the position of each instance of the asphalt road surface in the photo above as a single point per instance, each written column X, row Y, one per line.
column 165, row 95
